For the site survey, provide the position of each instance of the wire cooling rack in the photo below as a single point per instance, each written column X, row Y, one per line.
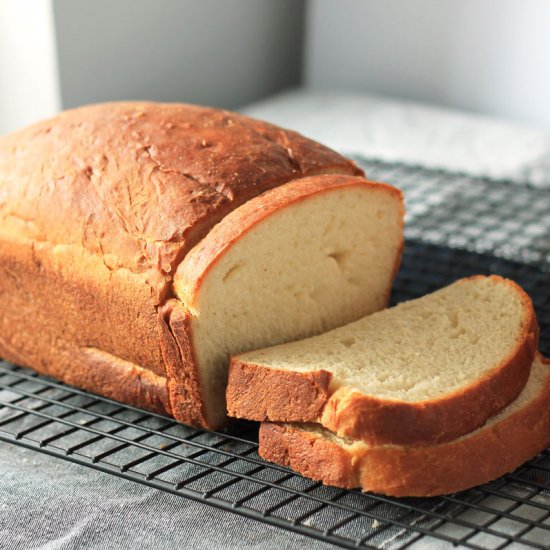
column 453, row 222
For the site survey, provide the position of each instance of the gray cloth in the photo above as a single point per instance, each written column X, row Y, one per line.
column 50, row 504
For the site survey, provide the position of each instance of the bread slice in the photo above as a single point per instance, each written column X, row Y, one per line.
column 299, row 260
column 425, row 371
column 505, row 442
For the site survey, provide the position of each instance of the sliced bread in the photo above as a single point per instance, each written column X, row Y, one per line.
column 423, row 372
column 298, row 260
column 100, row 205
column 505, row 442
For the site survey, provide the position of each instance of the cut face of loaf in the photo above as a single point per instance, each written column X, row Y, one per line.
column 425, row 371
column 505, row 442
column 299, row 260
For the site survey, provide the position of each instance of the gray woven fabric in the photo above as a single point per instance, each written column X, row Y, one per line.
column 50, row 504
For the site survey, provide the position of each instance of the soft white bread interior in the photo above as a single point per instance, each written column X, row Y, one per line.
column 427, row 370
column 505, row 442
column 299, row 260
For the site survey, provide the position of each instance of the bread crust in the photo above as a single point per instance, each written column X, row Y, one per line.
column 476, row 458
column 66, row 315
column 184, row 383
column 296, row 395
column 98, row 206
column 349, row 413
column 141, row 183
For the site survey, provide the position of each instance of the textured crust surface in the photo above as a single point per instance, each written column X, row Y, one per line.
column 66, row 315
column 477, row 458
column 350, row 413
column 182, row 369
column 141, row 183
column 97, row 208
column 300, row 396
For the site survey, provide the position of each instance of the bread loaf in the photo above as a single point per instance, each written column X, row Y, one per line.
column 141, row 243
column 423, row 372
column 505, row 442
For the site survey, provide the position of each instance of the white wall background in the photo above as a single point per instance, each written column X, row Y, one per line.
column 487, row 56
column 215, row 52
column 63, row 53
column 29, row 87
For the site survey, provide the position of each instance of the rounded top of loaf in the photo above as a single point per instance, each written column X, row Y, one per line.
column 140, row 183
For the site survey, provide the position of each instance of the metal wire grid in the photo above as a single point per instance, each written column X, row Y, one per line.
column 224, row 470
column 504, row 219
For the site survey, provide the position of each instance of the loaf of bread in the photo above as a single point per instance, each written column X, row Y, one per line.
column 423, row 372
column 142, row 243
column 505, row 442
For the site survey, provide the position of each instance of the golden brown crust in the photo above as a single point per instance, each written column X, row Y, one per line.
column 66, row 315
column 446, row 468
column 350, row 413
column 184, row 382
column 144, row 182
column 310, row 456
column 98, row 207
column 296, row 394
column 121, row 380
column 101, row 373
